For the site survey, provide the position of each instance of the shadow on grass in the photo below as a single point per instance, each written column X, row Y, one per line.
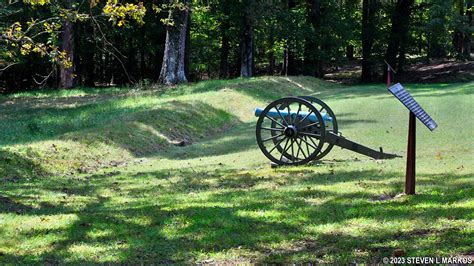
column 15, row 166
column 143, row 133
column 148, row 133
column 183, row 216
column 237, row 138
column 27, row 122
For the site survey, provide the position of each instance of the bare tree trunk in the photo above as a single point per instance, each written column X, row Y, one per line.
column 284, row 69
column 225, row 47
column 225, row 43
column 246, row 44
column 458, row 35
column 142, row 63
column 368, row 32
column 313, row 45
column 467, row 35
column 271, row 63
column 398, row 34
column 271, row 54
column 350, row 52
column 188, row 48
column 173, row 68
column 291, row 63
column 66, row 71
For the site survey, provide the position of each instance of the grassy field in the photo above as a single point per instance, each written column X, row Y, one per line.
column 92, row 176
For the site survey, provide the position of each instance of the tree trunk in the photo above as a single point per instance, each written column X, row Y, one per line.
column 130, row 64
column 85, row 52
column 284, row 69
column 312, row 52
column 225, row 48
column 271, row 63
column 350, row 52
column 91, row 65
column 368, row 30
column 291, row 62
column 187, row 49
column 458, row 35
column 467, row 35
column 246, row 43
column 173, row 67
column 66, row 70
column 142, row 63
column 271, row 54
column 398, row 34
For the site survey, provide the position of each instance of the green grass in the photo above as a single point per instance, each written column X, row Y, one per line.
column 93, row 176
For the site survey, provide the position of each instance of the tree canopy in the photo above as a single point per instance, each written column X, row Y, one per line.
column 67, row 43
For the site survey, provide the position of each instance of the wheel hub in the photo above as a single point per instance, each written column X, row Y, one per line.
column 290, row 132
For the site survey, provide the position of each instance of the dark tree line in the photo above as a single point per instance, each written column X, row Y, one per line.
column 99, row 43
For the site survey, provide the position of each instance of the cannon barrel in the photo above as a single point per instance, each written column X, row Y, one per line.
column 284, row 113
column 297, row 139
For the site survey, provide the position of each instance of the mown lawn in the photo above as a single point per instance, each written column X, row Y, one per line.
column 96, row 176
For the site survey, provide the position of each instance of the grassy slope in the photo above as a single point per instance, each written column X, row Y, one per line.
column 218, row 199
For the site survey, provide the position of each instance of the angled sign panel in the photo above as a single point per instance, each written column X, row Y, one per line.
column 398, row 91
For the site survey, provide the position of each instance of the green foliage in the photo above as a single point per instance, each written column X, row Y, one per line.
column 439, row 28
column 133, row 49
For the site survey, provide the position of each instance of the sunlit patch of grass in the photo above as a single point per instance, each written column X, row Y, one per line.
column 217, row 199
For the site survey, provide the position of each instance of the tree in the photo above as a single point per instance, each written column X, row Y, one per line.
column 439, row 40
column 468, row 31
column 225, row 43
column 289, row 61
column 173, row 68
column 246, row 41
column 45, row 29
column 313, row 42
column 369, row 8
column 66, row 70
column 399, row 34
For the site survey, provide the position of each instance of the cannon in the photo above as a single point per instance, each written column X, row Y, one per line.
column 297, row 130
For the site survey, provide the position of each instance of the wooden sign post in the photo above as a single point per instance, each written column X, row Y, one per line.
column 415, row 112
column 411, row 156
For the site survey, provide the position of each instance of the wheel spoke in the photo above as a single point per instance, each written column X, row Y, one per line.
column 292, row 151
column 273, row 129
column 297, row 113
column 301, row 149
column 298, row 149
column 306, row 116
column 289, row 114
column 278, row 143
column 275, row 121
column 284, row 120
column 308, row 143
column 311, row 139
column 310, row 125
column 287, row 148
column 284, row 149
column 273, row 137
column 310, row 134
column 307, row 147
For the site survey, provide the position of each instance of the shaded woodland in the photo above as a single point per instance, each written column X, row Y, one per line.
column 52, row 43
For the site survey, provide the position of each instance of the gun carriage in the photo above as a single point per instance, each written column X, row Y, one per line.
column 297, row 130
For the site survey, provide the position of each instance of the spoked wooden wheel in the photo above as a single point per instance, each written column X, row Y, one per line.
column 331, row 126
column 290, row 131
